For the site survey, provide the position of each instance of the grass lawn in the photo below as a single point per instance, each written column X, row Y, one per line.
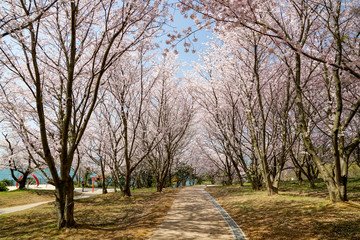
column 108, row 216
column 296, row 213
column 23, row 197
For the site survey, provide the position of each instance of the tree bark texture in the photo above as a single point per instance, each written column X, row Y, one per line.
column 64, row 204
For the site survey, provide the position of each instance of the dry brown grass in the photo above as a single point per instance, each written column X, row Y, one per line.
column 289, row 215
column 107, row 216
column 23, row 197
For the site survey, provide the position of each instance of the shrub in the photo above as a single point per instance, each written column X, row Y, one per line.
column 200, row 180
column 3, row 187
column 7, row 182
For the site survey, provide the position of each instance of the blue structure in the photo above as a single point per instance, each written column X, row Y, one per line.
column 6, row 174
column 188, row 183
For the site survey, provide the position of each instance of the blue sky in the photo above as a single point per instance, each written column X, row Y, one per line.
column 179, row 24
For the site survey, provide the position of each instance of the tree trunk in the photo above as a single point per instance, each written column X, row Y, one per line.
column 126, row 190
column 241, row 184
column 159, row 187
column 269, row 185
column 138, row 183
column 255, row 176
column 279, row 169
column 104, row 190
column 103, row 185
column 229, row 180
column 299, row 170
column 79, row 178
column 312, row 183
column 237, row 170
column 336, row 191
column 252, row 178
column 114, row 185
column 299, row 177
column 170, row 178
column 255, row 184
column 267, row 176
column 64, row 204
column 22, row 181
column 344, row 161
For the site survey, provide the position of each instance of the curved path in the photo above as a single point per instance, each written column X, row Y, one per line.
column 194, row 215
column 27, row 206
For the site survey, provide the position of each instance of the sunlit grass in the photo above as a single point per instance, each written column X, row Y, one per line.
column 26, row 196
column 106, row 216
column 298, row 212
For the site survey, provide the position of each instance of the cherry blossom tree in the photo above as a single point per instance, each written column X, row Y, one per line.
column 321, row 36
column 173, row 112
column 12, row 158
column 247, row 108
column 95, row 141
column 327, row 112
column 12, row 21
column 54, row 67
column 130, row 85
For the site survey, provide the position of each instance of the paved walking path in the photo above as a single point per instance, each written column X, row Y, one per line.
column 194, row 216
column 20, row 208
column 27, row 206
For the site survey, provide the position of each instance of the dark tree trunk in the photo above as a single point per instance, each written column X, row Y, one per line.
column 255, row 185
column 310, row 173
column 138, row 183
column 79, row 178
column 126, row 190
column 170, row 178
column 160, row 183
column 237, row 170
column 241, row 182
column 159, row 187
column 104, row 190
column 312, row 183
column 114, row 184
column 64, row 204
column 255, row 181
column 103, row 181
column 22, row 181
column 299, row 176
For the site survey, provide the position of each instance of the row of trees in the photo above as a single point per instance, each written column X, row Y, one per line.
column 80, row 84
column 82, row 87
column 142, row 120
column 282, row 82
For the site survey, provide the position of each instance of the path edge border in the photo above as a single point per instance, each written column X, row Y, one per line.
column 235, row 229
